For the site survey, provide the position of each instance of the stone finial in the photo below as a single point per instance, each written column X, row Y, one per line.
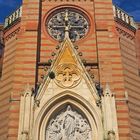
column 27, row 90
column 107, row 91
column 109, row 115
column 26, row 113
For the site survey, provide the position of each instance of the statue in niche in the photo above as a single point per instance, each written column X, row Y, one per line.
column 68, row 125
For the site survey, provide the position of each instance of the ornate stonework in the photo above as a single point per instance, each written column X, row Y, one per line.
column 68, row 125
column 76, row 21
column 67, row 75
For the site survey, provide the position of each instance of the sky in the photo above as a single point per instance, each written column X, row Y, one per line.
column 130, row 6
column 7, row 7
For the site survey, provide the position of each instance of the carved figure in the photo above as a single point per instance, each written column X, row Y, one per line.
column 68, row 125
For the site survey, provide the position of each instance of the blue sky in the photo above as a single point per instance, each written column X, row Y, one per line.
column 130, row 6
column 7, row 7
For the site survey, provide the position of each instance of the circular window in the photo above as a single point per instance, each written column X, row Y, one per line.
column 76, row 22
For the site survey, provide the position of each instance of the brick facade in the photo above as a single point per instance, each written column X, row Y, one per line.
column 109, row 43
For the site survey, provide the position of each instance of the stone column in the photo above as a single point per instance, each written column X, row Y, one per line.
column 109, row 115
column 26, row 115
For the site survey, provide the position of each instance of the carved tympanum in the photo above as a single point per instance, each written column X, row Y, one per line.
column 67, row 75
column 68, row 125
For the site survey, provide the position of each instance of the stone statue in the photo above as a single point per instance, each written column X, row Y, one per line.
column 68, row 125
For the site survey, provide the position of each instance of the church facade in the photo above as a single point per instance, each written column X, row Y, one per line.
column 70, row 69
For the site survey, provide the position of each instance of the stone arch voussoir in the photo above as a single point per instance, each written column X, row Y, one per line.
column 62, row 99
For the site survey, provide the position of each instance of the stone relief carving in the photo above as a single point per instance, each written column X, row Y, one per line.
column 68, row 125
column 67, row 75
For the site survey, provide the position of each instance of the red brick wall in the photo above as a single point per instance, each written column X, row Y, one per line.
column 101, row 45
column 6, row 82
column 138, row 44
column 129, row 54
column 1, row 48
column 18, row 69
column 110, row 62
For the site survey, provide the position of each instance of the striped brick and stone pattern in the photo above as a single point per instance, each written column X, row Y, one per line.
column 110, row 62
column 1, row 48
column 130, row 59
column 18, row 67
column 130, row 55
column 114, row 53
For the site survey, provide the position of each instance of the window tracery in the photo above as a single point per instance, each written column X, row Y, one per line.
column 76, row 21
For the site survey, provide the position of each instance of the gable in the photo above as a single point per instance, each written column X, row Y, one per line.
column 70, row 73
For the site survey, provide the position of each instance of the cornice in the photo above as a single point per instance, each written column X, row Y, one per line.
column 125, row 25
column 12, row 34
column 125, row 33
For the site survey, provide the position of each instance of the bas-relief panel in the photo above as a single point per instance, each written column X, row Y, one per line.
column 68, row 125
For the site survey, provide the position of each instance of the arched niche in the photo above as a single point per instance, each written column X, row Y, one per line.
column 67, row 123
column 68, row 103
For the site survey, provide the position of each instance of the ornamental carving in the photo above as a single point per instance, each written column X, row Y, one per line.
column 68, row 125
column 76, row 20
column 67, row 75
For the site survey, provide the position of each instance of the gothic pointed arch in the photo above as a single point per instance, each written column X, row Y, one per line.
column 69, row 123
column 53, row 121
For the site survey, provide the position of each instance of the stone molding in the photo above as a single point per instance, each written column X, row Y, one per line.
column 67, row 75
column 56, row 103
